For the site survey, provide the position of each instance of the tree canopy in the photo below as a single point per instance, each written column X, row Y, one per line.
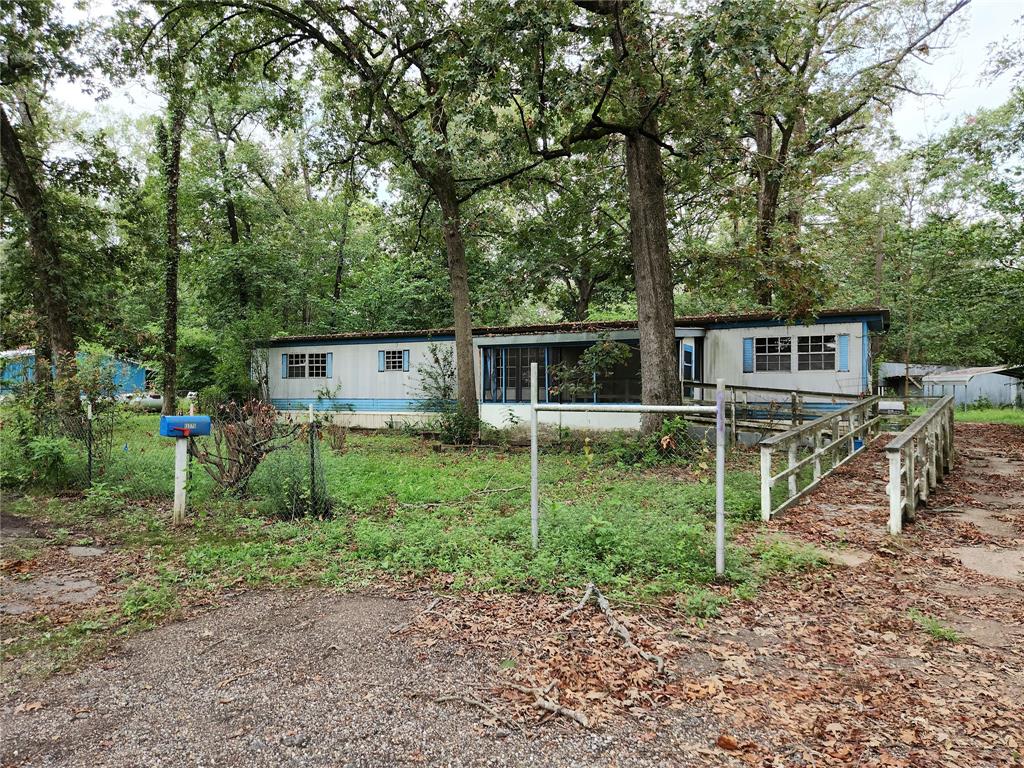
column 320, row 167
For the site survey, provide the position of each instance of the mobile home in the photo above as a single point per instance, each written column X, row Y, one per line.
column 373, row 379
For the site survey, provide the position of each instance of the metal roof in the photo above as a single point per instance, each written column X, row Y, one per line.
column 877, row 316
column 899, row 370
column 964, row 375
column 16, row 353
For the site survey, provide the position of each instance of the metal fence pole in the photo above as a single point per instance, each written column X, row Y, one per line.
column 534, row 492
column 88, row 439
column 720, row 478
column 312, row 461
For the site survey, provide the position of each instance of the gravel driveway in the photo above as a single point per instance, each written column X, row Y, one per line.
column 299, row 678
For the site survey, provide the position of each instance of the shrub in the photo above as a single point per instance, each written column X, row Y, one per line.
column 455, row 426
column 244, row 435
column 437, row 391
column 671, row 444
column 48, row 459
column 102, row 499
column 284, row 484
column 211, row 399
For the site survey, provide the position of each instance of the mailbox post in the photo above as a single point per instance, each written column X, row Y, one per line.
column 181, row 428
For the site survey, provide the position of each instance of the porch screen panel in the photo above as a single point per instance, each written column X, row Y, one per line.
column 622, row 383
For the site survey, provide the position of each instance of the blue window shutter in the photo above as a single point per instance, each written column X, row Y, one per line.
column 284, row 366
column 844, row 352
column 380, row 361
column 330, row 365
column 405, row 359
column 748, row 355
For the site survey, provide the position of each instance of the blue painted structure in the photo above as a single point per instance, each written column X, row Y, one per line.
column 18, row 366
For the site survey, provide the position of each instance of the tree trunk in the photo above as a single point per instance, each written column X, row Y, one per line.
column 222, row 163
column 229, row 206
column 339, row 270
column 584, row 293
column 170, row 141
column 659, row 364
column 769, row 187
column 458, row 275
column 45, row 249
column 648, row 220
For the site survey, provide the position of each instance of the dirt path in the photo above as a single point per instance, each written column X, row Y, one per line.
column 912, row 654
column 293, row 679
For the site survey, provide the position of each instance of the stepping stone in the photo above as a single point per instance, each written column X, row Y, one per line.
column 1001, row 563
column 86, row 551
column 59, row 589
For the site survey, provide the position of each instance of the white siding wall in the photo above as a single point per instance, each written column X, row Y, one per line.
column 355, row 376
column 501, row 415
column 374, row 396
column 723, row 358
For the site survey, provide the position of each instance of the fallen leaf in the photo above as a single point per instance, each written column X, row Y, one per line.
column 725, row 741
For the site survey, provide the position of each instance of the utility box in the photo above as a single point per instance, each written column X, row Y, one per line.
column 184, row 426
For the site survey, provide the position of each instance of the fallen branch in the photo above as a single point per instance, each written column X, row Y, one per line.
column 615, row 624
column 475, row 702
column 541, row 701
column 580, row 605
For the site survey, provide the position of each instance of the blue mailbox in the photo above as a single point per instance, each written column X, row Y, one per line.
column 184, row 426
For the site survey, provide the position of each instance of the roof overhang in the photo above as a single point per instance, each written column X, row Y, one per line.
column 963, row 376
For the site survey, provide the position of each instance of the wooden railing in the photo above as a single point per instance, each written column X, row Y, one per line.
column 768, row 409
column 919, row 457
column 832, row 439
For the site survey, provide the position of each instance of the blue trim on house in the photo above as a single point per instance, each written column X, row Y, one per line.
column 347, row 404
column 866, row 360
column 843, row 352
column 577, row 343
column 547, row 386
column 831, row 320
column 378, row 340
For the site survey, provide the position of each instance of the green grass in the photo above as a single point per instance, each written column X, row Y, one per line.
column 934, row 627
column 1012, row 416
column 458, row 519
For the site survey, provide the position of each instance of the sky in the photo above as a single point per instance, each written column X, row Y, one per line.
column 954, row 72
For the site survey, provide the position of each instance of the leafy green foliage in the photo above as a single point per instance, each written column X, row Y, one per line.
column 934, row 627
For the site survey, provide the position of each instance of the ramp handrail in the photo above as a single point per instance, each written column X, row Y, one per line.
column 919, row 457
column 841, row 428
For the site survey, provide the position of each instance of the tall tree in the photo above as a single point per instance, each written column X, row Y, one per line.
column 808, row 75
column 646, row 67
column 40, row 48
column 410, row 76
column 169, row 142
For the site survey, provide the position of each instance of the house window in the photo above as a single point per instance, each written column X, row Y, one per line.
column 816, row 353
column 393, row 360
column 297, row 365
column 317, row 365
column 507, row 374
column 773, row 353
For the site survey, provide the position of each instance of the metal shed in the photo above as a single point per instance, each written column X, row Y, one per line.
column 1000, row 385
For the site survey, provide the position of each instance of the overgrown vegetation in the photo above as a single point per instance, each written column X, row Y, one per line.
column 456, row 519
column 436, row 391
